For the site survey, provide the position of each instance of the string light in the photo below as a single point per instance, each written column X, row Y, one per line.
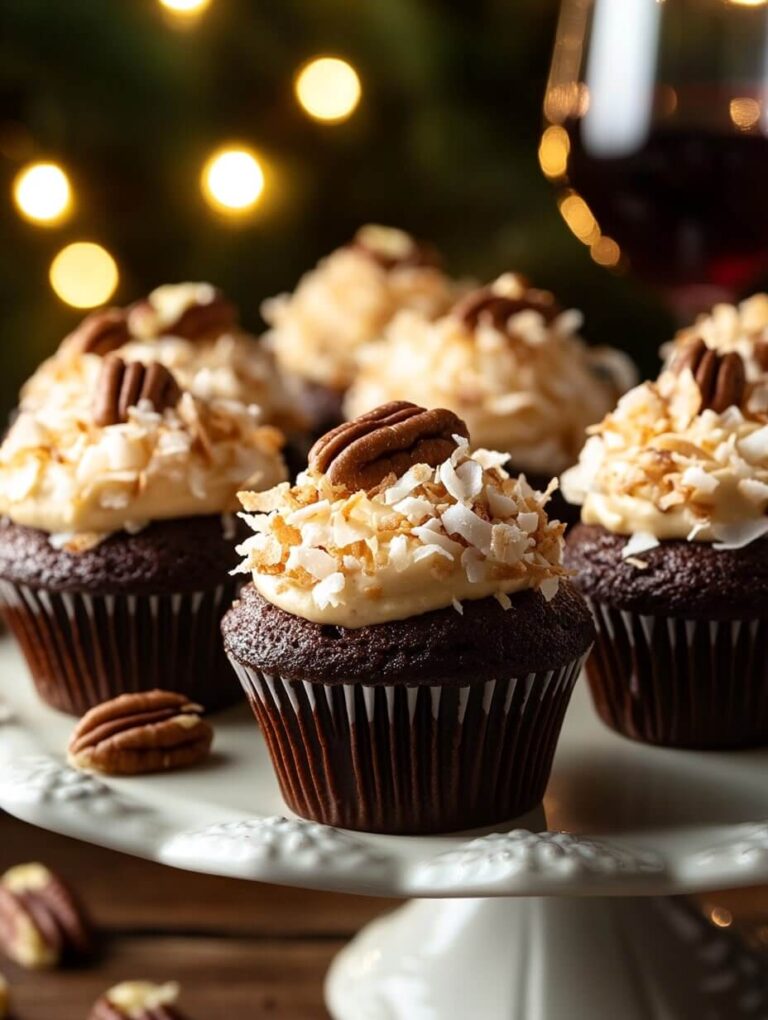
column 185, row 8
column 84, row 274
column 42, row 193
column 233, row 180
column 328, row 89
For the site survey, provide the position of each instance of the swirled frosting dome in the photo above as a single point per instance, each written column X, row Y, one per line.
column 664, row 466
column 524, row 383
column 741, row 328
column 425, row 540
column 218, row 359
column 348, row 299
column 62, row 472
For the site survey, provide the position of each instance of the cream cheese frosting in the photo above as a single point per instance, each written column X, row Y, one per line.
column 741, row 328
column 62, row 473
column 345, row 302
column 426, row 540
column 228, row 363
column 529, row 387
column 662, row 467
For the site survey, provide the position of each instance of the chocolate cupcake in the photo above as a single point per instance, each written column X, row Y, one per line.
column 408, row 640
column 509, row 362
column 344, row 303
column 117, row 495
column 673, row 555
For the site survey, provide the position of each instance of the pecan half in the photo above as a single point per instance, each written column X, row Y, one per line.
column 721, row 378
column 198, row 321
column 390, row 248
column 492, row 305
column 138, row 1000
column 100, row 332
column 41, row 922
column 361, row 453
column 122, row 385
column 150, row 731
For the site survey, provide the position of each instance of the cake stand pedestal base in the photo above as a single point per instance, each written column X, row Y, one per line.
column 546, row 959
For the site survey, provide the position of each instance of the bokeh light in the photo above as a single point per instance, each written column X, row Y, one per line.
column 579, row 218
column 721, row 916
column 749, row 3
column 745, row 112
column 42, row 193
column 233, row 180
column 84, row 274
column 554, row 148
column 328, row 89
column 185, row 8
column 606, row 252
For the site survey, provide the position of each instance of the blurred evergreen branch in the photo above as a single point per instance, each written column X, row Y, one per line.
column 444, row 143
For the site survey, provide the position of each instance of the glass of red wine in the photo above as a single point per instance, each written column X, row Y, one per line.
column 657, row 138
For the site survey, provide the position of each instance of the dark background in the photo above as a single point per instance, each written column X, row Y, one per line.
column 443, row 143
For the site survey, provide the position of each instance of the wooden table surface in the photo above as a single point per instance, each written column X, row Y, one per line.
column 240, row 950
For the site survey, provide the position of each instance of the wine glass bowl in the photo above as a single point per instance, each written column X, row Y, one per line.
column 656, row 136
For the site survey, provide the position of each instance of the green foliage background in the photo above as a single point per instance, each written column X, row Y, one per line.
column 444, row 143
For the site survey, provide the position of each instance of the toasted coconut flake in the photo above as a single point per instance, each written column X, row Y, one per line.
column 461, row 520
column 740, row 534
column 328, row 591
column 640, row 542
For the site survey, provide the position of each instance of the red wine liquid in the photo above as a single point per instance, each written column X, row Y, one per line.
column 689, row 207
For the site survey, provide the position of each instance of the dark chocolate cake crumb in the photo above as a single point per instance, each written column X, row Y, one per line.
column 684, row 579
column 439, row 647
column 179, row 555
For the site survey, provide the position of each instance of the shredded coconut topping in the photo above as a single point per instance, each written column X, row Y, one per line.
column 530, row 389
column 423, row 541
column 230, row 366
column 62, row 473
column 660, row 466
column 343, row 303
column 740, row 328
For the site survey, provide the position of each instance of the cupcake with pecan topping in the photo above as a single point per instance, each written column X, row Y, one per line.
column 673, row 554
column 510, row 362
column 344, row 303
column 193, row 330
column 408, row 640
column 730, row 329
column 116, row 494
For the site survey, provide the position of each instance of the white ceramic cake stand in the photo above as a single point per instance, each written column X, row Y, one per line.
column 522, row 923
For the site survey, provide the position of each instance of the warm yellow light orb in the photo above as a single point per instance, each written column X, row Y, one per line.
column 745, row 112
column 84, row 274
column 749, row 3
column 42, row 193
column 554, row 148
column 185, row 7
column 579, row 218
column 233, row 180
column 606, row 252
column 328, row 89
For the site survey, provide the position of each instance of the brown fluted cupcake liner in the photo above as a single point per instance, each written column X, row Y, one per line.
column 409, row 760
column 85, row 649
column 699, row 684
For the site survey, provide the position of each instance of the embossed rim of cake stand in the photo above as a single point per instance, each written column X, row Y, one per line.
column 177, row 821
